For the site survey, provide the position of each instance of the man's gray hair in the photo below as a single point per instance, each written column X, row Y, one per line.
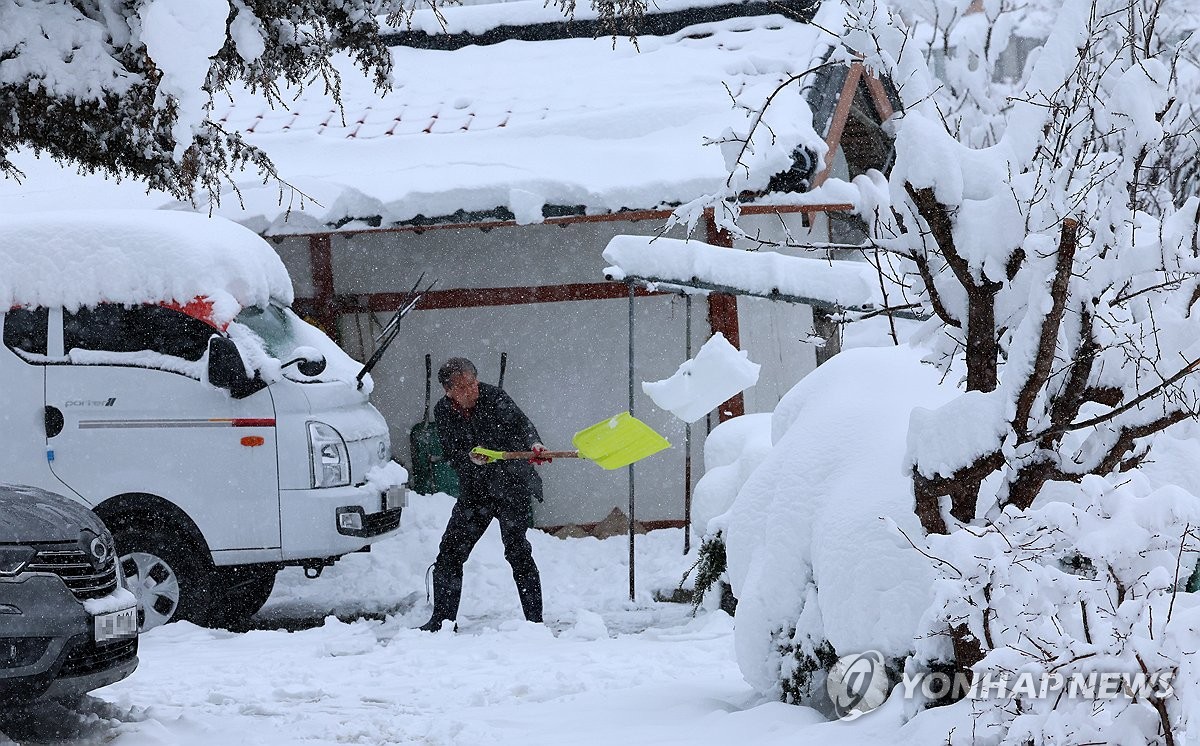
column 454, row 366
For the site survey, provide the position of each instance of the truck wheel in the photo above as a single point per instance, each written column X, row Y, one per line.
column 170, row 582
column 237, row 593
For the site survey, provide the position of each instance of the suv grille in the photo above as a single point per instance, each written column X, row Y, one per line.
column 88, row 657
column 75, row 568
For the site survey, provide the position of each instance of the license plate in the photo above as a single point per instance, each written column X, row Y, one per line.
column 395, row 497
column 116, row 625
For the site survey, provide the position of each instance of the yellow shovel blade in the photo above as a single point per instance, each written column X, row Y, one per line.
column 619, row 441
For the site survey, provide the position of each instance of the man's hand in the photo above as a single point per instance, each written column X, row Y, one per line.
column 538, row 459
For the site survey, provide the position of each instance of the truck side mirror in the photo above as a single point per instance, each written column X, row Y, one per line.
column 308, row 360
column 226, row 370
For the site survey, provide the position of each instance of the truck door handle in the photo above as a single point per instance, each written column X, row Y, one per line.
column 54, row 421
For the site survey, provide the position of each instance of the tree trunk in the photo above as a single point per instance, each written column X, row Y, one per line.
column 830, row 331
column 982, row 348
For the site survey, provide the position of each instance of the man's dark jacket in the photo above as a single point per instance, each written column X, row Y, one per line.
column 496, row 422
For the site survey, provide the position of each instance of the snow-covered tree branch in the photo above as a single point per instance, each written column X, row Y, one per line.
column 125, row 87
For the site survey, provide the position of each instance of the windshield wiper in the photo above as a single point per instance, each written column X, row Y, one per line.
column 388, row 335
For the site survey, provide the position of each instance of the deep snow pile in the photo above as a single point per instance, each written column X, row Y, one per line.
column 601, row 671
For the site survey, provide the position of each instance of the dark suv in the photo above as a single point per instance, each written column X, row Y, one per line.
column 67, row 623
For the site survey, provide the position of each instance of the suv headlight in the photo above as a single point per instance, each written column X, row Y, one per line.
column 330, row 458
column 14, row 558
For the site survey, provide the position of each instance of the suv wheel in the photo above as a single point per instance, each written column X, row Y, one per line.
column 168, row 583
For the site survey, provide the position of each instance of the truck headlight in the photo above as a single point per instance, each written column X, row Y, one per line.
column 14, row 558
column 330, row 458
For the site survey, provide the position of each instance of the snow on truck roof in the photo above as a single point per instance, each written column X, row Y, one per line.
column 80, row 258
column 516, row 125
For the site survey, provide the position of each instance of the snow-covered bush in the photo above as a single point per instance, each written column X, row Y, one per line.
column 732, row 451
column 815, row 563
column 1089, row 580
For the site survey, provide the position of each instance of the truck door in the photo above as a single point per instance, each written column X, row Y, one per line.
column 23, row 362
column 136, row 418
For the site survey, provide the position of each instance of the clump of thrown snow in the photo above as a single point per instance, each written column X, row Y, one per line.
column 813, row 553
column 82, row 257
column 717, row 372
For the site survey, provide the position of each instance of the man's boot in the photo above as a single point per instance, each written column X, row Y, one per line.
column 447, row 591
column 435, row 625
column 529, row 588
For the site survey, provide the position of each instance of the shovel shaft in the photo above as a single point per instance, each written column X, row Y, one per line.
column 513, row 455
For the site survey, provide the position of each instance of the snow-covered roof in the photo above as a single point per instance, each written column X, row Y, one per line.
column 81, row 257
column 515, row 125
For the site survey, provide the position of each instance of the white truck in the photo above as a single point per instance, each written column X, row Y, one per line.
column 153, row 369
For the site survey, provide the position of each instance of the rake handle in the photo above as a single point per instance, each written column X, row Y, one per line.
column 513, row 455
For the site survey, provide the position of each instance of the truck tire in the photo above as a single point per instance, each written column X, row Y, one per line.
column 237, row 593
column 170, row 580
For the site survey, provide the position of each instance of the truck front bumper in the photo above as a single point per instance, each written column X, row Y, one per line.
column 333, row 521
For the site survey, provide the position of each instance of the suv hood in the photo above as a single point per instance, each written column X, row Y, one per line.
column 29, row 514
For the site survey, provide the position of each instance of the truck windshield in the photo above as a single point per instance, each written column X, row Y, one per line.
column 274, row 325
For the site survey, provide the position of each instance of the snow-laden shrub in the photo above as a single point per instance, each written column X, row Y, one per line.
column 710, row 569
column 1090, row 580
column 732, row 451
column 815, row 566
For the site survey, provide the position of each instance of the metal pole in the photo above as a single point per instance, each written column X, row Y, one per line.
column 632, row 292
column 687, row 435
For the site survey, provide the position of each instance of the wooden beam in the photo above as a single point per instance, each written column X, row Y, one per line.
column 723, row 315
column 879, row 97
column 837, row 124
column 322, row 309
column 632, row 216
column 590, row 527
column 788, row 209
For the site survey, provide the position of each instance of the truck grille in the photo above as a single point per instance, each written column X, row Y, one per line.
column 88, row 657
column 75, row 568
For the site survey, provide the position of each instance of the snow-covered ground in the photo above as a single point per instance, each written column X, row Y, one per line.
column 602, row 670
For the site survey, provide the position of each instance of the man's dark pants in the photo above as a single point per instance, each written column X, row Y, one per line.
column 468, row 521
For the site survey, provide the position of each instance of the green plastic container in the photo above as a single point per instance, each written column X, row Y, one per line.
column 430, row 473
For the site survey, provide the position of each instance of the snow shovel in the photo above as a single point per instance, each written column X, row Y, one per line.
column 613, row 443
